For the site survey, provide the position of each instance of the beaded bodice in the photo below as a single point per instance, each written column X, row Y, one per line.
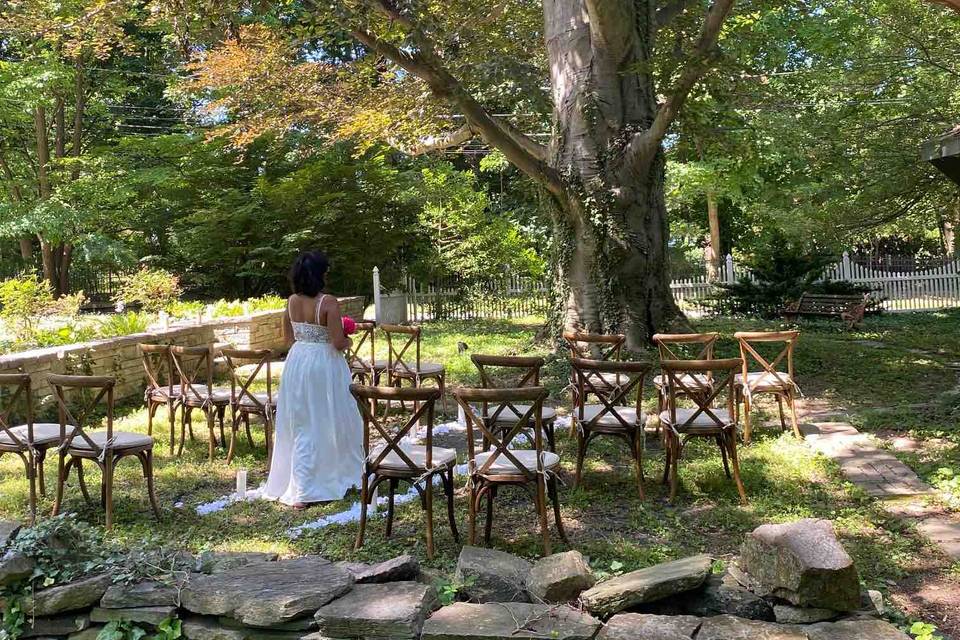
column 308, row 332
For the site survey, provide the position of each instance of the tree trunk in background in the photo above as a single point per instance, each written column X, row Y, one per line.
column 713, row 253
column 610, row 253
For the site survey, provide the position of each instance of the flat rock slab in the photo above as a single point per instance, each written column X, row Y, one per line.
column 733, row 628
column 220, row 561
column 633, row 626
column 561, row 577
column 394, row 610
column 265, row 594
column 515, row 620
column 723, row 595
column 55, row 626
column 492, row 576
column 142, row 615
column 787, row 614
column 855, row 630
column 141, row 594
column 397, row 569
column 200, row 628
column 647, row 585
column 803, row 563
column 73, row 596
column 14, row 567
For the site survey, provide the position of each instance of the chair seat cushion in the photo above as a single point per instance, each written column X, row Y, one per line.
column 629, row 414
column 162, row 393
column 262, row 397
column 416, row 453
column 527, row 457
column 364, row 365
column 425, row 368
column 507, row 414
column 703, row 420
column 219, row 395
column 43, row 433
column 691, row 381
column 121, row 440
column 765, row 381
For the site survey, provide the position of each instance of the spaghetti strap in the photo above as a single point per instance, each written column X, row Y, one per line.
column 316, row 320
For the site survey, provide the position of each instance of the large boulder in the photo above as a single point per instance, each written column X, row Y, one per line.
column 647, row 585
column 514, row 620
column 855, row 630
column 723, row 594
column 8, row 531
column 395, row 610
column 220, row 561
column 733, row 628
column 14, row 567
column 561, row 577
column 631, row 626
column 398, row 569
column 73, row 596
column 803, row 563
column 265, row 594
column 141, row 594
column 489, row 575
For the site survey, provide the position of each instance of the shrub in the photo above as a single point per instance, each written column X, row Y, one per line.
column 267, row 303
column 123, row 324
column 25, row 300
column 185, row 309
column 227, row 308
column 153, row 289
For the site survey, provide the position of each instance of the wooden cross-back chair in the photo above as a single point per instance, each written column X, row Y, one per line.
column 767, row 375
column 614, row 415
column 28, row 440
column 705, row 419
column 593, row 346
column 524, row 372
column 194, row 367
column 683, row 346
column 393, row 459
column 104, row 448
column 246, row 366
column 503, row 465
column 404, row 365
column 163, row 389
column 365, row 369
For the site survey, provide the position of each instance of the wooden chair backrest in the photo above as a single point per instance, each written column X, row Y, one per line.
column 680, row 372
column 158, row 367
column 365, row 335
column 241, row 382
column 526, row 373
column 500, row 439
column 589, row 380
column 751, row 352
column 194, row 366
column 670, row 345
column 368, row 397
column 595, row 346
column 397, row 346
column 101, row 387
column 20, row 385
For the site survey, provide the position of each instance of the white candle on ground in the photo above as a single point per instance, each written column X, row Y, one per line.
column 241, row 483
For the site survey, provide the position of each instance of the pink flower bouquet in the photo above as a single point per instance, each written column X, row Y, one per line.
column 349, row 326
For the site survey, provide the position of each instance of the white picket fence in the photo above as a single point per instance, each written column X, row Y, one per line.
column 922, row 290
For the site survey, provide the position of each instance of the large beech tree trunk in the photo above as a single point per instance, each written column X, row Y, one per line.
column 610, row 223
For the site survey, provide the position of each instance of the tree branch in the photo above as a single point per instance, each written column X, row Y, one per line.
column 643, row 146
column 953, row 4
column 669, row 12
column 520, row 150
column 440, row 142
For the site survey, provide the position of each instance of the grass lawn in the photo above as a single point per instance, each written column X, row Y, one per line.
column 877, row 374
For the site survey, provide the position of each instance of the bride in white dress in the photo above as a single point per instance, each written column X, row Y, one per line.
column 318, row 450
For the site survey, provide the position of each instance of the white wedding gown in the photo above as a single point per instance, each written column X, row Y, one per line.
column 318, row 450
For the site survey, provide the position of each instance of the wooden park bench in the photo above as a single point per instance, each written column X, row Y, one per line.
column 848, row 307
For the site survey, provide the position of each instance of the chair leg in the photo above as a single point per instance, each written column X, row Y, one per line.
column 31, row 466
column 61, row 480
column 246, row 425
column 488, row 523
column 551, row 432
column 636, row 444
column 442, row 380
column 146, row 460
column 472, row 512
column 364, row 499
column 783, row 422
column 183, row 430
column 41, row 482
column 172, row 418
column 541, row 500
column 108, row 462
column 581, row 454
column 268, row 436
column 555, row 499
column 666, row 458
column 151, row 409
column 428, row 508
column 448, row 488
column 674, row 466
column 210, row 430
column 791, row 401
column 392, row 489
column 747, row 430
column 731, row 438
column 78, row 463
column 221, row 412
column 723, row 454
column 233, row 436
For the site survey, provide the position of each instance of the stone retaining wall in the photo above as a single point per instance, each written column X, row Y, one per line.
column 120, row 358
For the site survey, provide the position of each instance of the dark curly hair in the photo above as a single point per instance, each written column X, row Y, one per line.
column 308, row 273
